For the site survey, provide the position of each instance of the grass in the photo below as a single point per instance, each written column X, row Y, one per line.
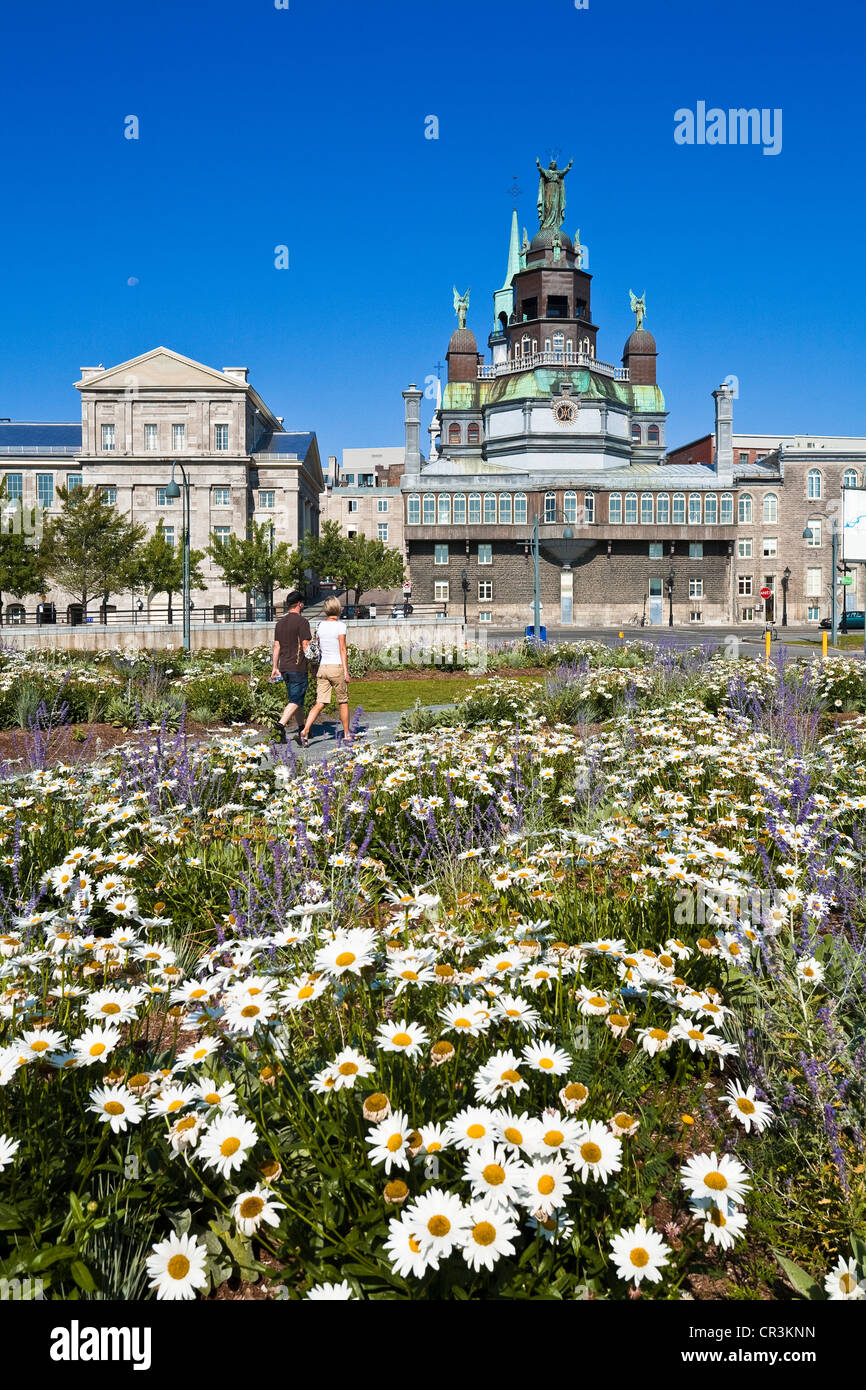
column 376, row 697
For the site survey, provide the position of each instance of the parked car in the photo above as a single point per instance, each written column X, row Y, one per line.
column 855, row 619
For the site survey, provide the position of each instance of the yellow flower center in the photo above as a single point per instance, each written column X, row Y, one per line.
column 394, row 1143
column 439, row 1226
column 345, row 958
column 174, row 1105
column 576, row 1090
column 553, row 1138
column 229, row 1147
column 401, row 1040
column 414, row 1245
column 545, row 1062
column 347, row 1068
column 484, row 1233
column 716, row 1181
column 546, row 1184
column 408, row 975
column 510, row 1075
column 97, row 1049
column 40, row 1045
column 590, row 1153
column 140, row 1078
column 188, row 1122
column 397, row 1191
column 598, row 1002
column 514, row 1136
column 623, row 1121
column 658, row 1034
column 493, row 1174
column 476, row 1132
column 251, row 1207
column 250, row 1011
column 305, row 991
column 745, row 1105
column 462, row 1023
column 847, row 1283
column 639, row 1257
column 178, row 1267
column 113, row 1107
column 111, row 1008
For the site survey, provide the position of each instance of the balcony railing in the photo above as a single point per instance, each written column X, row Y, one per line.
column 551, row 359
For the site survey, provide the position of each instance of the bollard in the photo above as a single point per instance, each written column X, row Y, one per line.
column 768, row 637
column 824, row 645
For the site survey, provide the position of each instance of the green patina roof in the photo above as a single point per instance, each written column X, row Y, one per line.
column 543, row 382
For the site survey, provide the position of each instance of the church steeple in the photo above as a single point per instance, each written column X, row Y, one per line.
column 503, row 299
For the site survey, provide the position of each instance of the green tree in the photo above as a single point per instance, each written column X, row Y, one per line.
column 90, row 549
column 22, row 566
column 325, row 553
column 160, row 568
column 256, row 564
column 370, row 565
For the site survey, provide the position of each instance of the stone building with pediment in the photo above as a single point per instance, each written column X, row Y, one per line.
column 139, row 418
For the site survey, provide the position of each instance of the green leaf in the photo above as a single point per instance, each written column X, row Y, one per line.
column 802, row 1282
column 11, row 1218
column 50, row 1255
column 82, row 1276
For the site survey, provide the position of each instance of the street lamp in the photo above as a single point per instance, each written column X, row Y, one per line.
column 464, row 584
column 670, row 587
column 172, row 491
column 786, row 575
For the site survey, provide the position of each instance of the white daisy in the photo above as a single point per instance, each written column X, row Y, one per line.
column 226, row 1143
column 117, row 1106
column 490, row 1234
column 743, row 1105
column 596, row 1152
column 251, row 1209
column 842, row 1284
column 639, row 1253
column 176, row 1267
column 718, row 1179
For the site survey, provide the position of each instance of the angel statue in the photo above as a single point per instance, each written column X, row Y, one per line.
column 461, row 306
column 551, row 194
column 638, row 308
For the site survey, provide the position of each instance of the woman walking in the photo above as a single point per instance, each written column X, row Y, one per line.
column 333, row 672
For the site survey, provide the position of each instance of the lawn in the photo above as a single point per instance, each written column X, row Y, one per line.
column 377, row 696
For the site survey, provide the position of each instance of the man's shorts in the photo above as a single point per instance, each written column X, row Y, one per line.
column 330, row 678
column 296, row 684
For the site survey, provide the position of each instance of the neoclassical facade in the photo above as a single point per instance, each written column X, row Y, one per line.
column 157, row 409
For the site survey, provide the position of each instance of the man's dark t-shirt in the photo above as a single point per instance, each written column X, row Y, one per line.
column 291, row 631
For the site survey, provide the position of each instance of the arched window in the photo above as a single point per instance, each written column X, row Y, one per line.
column 520, row 510
column 813, row 484
column 679, row 509
column 744, row 511
column 636, row 436
column 646, row 509
column 615, row 508
column 589, row 508
column 526, row 347
column 414, row 512
column 849, row 477
column 550, row 507
column 459, row 509
column 631, row 509
column 569, row 507
column 663, row 508
column 711, row 509
column 694, row 509
column 653, row 434
column 16, row 613
column 569, row 349
column 454, row 435
column 475, row 509
column 505, row 509
column 727, row 514
column 490, row 509
column 558, row 345
column 429, row 509
column 444, row 509
column 771, row 508
column 473, row 435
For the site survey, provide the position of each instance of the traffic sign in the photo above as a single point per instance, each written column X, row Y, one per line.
column 847, row 580
column 766, row 593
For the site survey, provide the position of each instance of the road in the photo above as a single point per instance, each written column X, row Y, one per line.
column 751, row 643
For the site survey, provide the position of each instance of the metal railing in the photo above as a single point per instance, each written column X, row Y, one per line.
column 14, row 615
column 551, row 359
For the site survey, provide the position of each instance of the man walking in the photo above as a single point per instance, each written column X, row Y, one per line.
column 292, row 636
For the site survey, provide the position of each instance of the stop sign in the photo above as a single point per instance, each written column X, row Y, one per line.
column 766, row 593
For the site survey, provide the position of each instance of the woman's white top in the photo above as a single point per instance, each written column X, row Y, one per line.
column 328, row 633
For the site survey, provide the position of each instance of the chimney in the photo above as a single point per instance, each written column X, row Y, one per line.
column 237, row 373
column 412, row 397
column 724, row 399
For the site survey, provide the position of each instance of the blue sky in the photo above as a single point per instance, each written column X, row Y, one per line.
column 305, row 127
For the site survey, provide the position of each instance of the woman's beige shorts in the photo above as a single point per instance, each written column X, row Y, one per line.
column 330, row 678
